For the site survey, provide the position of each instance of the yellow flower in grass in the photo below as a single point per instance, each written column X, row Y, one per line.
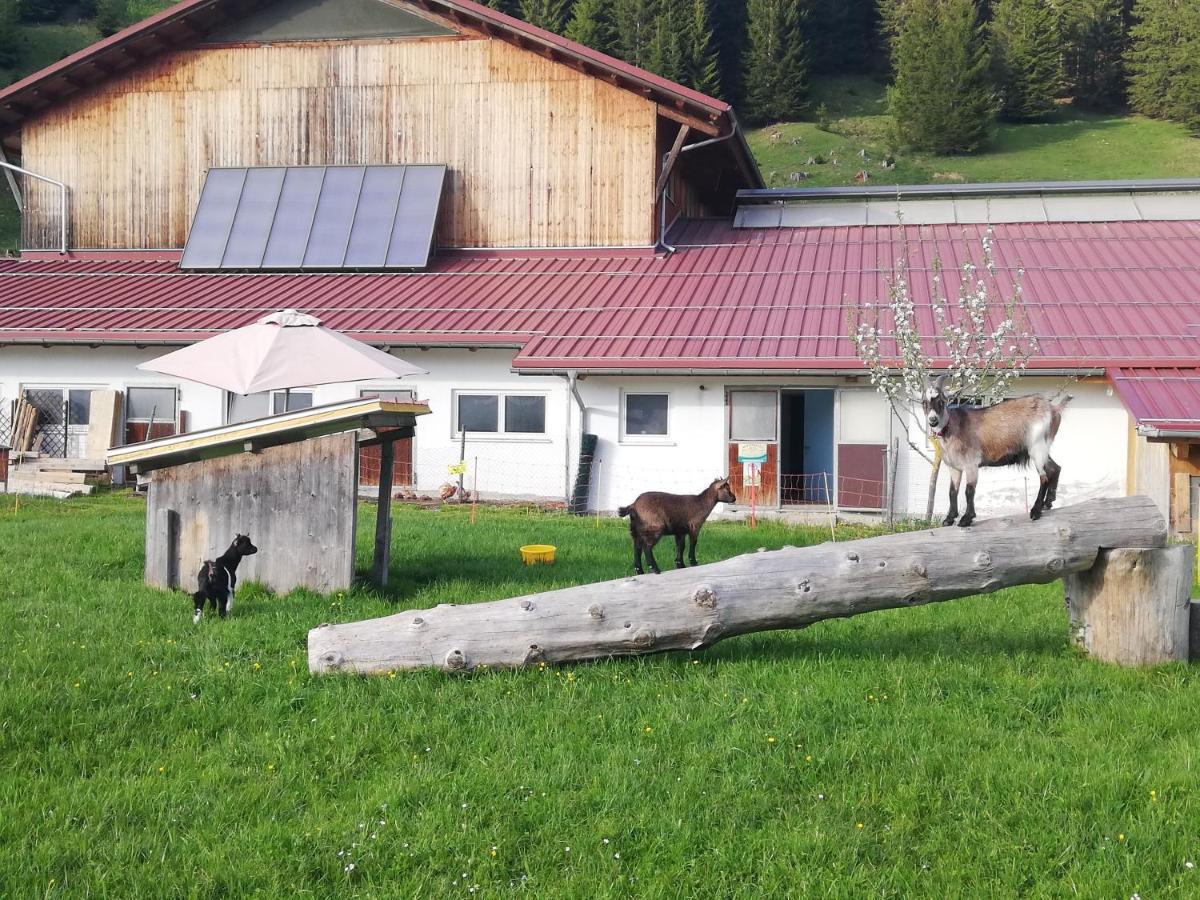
column 770, row 740
column 647, row 729
column 859, row 825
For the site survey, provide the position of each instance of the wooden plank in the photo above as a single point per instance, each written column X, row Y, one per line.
column 383, row 514
column 1181, row 502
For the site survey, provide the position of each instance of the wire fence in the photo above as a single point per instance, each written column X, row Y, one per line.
column 507, row 477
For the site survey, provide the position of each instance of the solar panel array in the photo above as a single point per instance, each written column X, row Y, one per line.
column 315, row 217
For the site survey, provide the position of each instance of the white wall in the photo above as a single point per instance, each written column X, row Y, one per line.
column 1092, row 443
column 529, row 466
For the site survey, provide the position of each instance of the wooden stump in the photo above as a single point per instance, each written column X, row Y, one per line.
column 1132, row 606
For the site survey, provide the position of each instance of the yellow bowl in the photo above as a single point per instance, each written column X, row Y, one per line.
column 532, row 554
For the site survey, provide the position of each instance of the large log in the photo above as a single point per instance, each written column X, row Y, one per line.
column 788, row 588
column 1133, row 607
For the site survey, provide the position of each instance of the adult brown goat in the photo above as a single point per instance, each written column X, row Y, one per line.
column 1011, row 432
column 655, row 513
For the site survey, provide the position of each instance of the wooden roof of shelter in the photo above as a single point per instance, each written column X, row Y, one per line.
column 287, row 428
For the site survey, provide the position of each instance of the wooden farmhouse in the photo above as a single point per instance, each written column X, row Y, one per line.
column 569, row 245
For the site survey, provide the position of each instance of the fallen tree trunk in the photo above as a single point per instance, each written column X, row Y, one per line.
column 789, row 588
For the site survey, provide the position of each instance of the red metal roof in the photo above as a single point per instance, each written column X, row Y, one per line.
column 1165, row 402
column 1098, row 296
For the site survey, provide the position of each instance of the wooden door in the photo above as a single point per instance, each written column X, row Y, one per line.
column 863, row 428
column 753, row 418
column 402, row 471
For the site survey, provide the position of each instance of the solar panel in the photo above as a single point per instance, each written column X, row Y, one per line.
column 214, row 217
column 316, row 217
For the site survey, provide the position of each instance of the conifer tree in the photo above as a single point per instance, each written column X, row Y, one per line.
column 1025, row 58
column 9, row 17
column 667, row 53
column 703, row 65
column 1093, row 35
column 111, row 16
column 842, row 35
column 775, row 67
column 635, row 29
column 1164, row 60
column 548, row 14
column 591, row 25
column 942, row 99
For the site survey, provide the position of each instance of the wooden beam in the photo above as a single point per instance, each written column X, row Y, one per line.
column 691, row 121
column 669, row 162
column 386, row 437
column 383, row 514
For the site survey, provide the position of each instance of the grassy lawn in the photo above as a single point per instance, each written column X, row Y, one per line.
column 1074, row 145
column 945, row 751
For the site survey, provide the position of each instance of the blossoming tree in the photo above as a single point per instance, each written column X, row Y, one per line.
column 980, row 336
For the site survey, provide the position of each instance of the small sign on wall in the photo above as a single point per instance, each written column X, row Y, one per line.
column 457, row 468
column 752, row 452
column 751, row 475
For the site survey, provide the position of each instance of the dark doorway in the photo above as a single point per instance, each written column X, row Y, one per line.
column 806, row 446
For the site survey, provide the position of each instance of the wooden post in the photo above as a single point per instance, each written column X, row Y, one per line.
column 1194, row 632
column 1131, row 607
column 383, row 514
column 695, row 607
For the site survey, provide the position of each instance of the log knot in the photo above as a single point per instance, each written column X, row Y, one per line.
column 1056, row 565
column 983, row 560
column 596, row 611
column 535, row 654
column 852, row 556
column 803, row 586
column 333, row 659
column 919, row 570
column 705, row 597
column 527, row 605
column 417, row 624
column 456, row 660
column 644, row 638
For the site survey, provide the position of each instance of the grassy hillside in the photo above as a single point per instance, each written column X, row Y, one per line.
column 1074, row 145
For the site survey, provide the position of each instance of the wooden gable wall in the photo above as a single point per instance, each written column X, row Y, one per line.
column 539, row 154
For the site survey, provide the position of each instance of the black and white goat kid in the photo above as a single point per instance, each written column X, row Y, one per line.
column 217, row 580
column 1008, row 433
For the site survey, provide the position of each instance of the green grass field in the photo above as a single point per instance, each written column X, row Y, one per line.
column 1072, row 146
column 955, row 750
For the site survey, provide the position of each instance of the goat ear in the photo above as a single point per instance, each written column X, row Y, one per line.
column 939, row 383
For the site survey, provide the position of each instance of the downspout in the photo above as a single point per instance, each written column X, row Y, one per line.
column 62, row 188
column 572, row 391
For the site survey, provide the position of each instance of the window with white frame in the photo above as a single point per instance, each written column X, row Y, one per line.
column 478, row 412
column 645, row 415
column 244, row 407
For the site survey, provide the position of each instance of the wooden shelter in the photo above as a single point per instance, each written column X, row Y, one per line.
column 289, row 481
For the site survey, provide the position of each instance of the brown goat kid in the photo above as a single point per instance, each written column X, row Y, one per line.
column 654, row 514
column 1012, row 432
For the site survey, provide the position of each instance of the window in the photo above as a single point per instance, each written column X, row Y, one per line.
column 646, row 415
column 388, row 396
column 752, row 415
column 244, row 407
column 145, row 403
column 518, row 414
column 295, row 400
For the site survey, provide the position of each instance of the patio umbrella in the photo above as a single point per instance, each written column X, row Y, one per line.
column 284, row 350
